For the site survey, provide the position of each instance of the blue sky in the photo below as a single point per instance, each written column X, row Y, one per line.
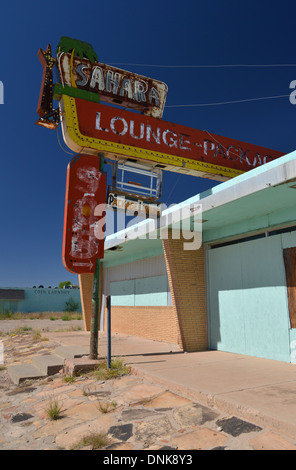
column 163, row 32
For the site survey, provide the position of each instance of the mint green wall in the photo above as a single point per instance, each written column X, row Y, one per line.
column 42, row 300
column 147, row 291
column 123, row 293
column 248, row 298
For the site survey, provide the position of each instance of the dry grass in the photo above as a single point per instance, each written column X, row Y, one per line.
column 117, row 369
column 54, row 410
column 95, row 440
column 41, row 316
column 106, row 407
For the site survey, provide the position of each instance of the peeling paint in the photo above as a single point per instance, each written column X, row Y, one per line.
column 86, row 189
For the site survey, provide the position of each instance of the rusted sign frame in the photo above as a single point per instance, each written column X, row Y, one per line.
column 150, row 189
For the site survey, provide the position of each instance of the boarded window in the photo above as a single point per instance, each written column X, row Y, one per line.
column 290, row 267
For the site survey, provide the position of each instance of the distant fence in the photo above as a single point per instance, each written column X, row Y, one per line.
column 37, row 299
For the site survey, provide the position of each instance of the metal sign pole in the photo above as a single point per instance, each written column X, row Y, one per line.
column 109, row 332
column 95, row 313
column 96, row 298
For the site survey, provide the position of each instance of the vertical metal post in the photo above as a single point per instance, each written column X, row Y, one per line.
column 109, row 331
column 94, row 333
column 96, row 298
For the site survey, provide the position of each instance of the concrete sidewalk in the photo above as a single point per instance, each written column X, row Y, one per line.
column 260, row 390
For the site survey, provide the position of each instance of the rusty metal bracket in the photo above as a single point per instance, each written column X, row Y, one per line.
column 50, row 120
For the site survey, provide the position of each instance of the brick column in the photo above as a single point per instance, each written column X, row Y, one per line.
column 86, row 293
column 86, row 282
column 186, row 273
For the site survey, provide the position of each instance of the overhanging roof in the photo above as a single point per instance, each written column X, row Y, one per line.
column 260, row 198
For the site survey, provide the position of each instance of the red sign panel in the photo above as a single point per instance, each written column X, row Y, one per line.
column 154, row 139
column 84, row 222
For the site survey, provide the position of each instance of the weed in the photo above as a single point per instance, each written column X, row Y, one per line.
column 117, row 369
column 5, row 314
column 77, row 316
column 54, row 410
column 96, row 440
column 69, row 378
column 22, row 330
column 71, row 305
column 106, row 407
column 37, row 335
column 8, row 315
column 66, row 317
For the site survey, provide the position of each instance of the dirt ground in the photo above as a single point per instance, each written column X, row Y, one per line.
column 141, row 413
column 129, row 412
column 42, row 325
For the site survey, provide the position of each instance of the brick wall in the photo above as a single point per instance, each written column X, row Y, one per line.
column 158, row 323
column 184, row 323
column 86, row 293
column 86, row 284
column 186, row 275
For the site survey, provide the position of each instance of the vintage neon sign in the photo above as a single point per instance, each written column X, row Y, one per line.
column 85, row 191
column 92, row 127
column 48, row 117
column 113, row 85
